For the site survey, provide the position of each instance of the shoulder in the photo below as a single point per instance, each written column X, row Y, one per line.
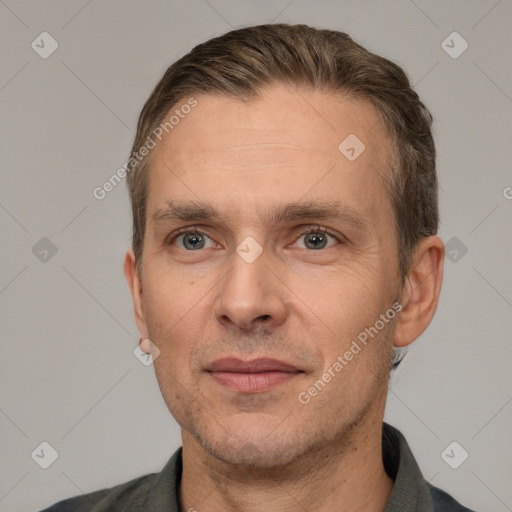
column 411, row 491
column 443, row 502
column 112, row 499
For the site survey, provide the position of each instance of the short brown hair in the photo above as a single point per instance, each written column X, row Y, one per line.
column 241, row 62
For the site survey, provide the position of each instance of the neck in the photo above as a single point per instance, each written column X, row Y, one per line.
column 347, row 474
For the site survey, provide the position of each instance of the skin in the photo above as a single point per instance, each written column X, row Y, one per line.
column 268, row 451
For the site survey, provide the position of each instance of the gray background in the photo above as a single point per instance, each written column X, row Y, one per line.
column 69, row 376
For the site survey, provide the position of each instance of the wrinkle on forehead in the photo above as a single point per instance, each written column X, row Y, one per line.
column 311, row 120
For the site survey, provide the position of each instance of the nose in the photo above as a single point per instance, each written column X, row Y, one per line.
column 251, row 295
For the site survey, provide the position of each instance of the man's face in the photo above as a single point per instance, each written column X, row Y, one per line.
column 303, row 300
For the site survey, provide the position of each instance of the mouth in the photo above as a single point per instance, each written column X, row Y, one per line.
column 255, row 376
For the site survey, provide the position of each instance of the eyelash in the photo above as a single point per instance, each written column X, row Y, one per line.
column 193, row 229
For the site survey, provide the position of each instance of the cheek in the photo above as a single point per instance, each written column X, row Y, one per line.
column 340, row 307
column 168, row 296
column 168, row 307
column 356, row 287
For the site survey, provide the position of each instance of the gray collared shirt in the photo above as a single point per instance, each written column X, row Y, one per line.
column 158, row 492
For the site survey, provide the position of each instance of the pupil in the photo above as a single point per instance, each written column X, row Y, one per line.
column 194, row 238
column 315, row 236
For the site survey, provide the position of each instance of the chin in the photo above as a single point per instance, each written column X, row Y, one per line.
column 253, row 449
column 252, row 455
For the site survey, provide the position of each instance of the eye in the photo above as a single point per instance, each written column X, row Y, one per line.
column 192, row 239
column 316, row 237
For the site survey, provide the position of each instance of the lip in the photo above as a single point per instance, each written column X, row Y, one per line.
column 262, row 364
column 255, row 376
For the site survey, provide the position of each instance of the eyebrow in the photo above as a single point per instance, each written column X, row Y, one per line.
column 196, row 211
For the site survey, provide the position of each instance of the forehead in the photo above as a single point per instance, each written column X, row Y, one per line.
column 305, row 119
column 290, row 142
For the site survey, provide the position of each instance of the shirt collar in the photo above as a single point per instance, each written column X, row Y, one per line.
column 410, row 491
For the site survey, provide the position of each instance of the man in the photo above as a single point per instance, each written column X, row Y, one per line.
column 284, row 200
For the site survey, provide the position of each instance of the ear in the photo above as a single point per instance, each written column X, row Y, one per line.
column 135, row 284
column 420, row 293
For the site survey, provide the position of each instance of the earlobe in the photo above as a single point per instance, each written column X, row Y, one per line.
column 420, row 294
